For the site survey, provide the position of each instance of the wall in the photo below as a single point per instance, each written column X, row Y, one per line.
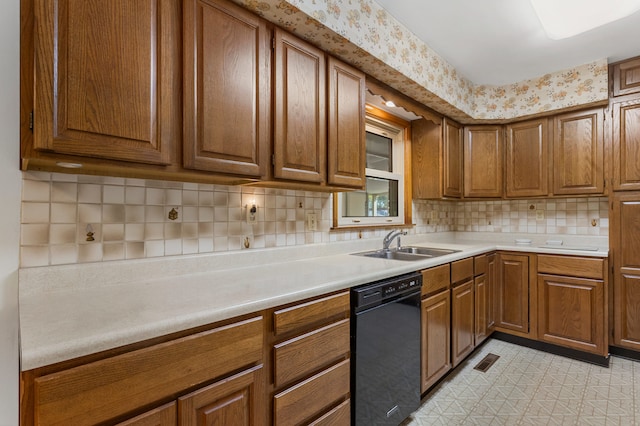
column 9, row 226
column 129, row 218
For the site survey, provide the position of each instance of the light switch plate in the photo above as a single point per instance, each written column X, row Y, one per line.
column 312, row 222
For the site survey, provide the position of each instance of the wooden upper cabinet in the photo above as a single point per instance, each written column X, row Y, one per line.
column 106, row 73
column 483, row 151
column 426, row 159
column 626, row 77
column 527, row 169
column 300, row 114
column 626, row 145
column 346, row 134
column 226, row 89
column 452, row 150
column 578, row 153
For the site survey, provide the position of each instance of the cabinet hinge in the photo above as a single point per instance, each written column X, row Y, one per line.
column 273, row 159
column 31, row 121
column 273, row 43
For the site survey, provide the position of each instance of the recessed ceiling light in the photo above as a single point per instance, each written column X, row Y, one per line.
column 390, row 104
column 566, row 18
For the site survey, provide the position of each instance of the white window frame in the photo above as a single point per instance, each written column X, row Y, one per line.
column 397, row 134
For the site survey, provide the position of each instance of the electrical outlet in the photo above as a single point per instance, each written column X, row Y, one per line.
column 539, row 214
column 312, row 222
column 252, row 214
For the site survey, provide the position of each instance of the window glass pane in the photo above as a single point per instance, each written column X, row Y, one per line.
column 379, row 152
column 380, row 199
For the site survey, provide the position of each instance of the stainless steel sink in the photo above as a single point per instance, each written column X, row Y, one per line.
column 426, row 251
column 409, row 253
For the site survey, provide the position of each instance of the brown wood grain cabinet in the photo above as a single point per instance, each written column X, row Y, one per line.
column 300, row 126
column 346, row 145
column 435, row 325
column 484, row 290
column 436, row 159
column 311, row 350
column 578, row 153
column 527, row 159
column 625, row 254
column 512, row 314
column 92, row 99
column 483, row 161
column 462, row 310
column 227, row 97
column 626, row 77
column 572, row 302
column 626, row 144
column 492, row 280
column 166, row 415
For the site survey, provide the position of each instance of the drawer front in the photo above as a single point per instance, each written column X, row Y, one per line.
column 461, row 270
column 102, row 390
column 306, row 315
column 479, row 265
column 308, row 399
column 338, row 416
column 572, row 266
column 436, row 279
column 305, row 354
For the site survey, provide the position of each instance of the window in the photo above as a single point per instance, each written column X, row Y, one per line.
column 382, row 200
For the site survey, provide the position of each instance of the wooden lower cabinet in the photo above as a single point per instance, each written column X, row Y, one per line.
column 625, row 247
column 237, row 400
column 512, row 313
column 571, row 312
column 436, row 338
column 166, row 415
column 491, row 281
column 481, row 296
column 462, row 321
column 311, row 369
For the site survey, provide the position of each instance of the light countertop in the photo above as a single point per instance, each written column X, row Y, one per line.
column 70, row 311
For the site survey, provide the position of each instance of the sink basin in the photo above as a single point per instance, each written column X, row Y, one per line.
column 426, row 251
column 406, row 253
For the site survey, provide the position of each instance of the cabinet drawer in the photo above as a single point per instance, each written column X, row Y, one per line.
column 573, row 266
column 436, row 279
column 101, row 390
column 340, row 415
column 309, row 398
column 305, row 354
column 461, row 270
column 304, row 316
column 479, row 265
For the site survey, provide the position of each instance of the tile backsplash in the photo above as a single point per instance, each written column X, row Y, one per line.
column 77, row 218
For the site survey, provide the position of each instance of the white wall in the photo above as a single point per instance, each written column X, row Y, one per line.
column 10, row 185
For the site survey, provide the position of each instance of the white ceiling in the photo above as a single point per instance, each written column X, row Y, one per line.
column 501, row 41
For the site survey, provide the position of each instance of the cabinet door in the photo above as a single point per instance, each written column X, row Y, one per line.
column 491, row 277
column 106, row 78
column 426, row 159
column 462, row 321
column 300, row 140
column 625, row 244
column 571, row 312
column 626, row 77
column 226, row 89
column 452, row 159
column 513, row 293
column 481, row 309
column 161, row 416
column 578, row 153
column 237, row 400
column 626, row 145
column 346, row 136
column 527, row 166
column 483, row 153
column 436, row 337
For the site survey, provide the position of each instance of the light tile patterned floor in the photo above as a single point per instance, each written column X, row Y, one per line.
column 529, row 387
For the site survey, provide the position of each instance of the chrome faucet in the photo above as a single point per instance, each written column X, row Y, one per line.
column 389, row 238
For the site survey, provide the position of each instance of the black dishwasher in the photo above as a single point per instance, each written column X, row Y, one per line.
column 385, row 350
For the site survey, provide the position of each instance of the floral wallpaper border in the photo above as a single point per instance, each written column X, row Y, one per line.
column 362, row 33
